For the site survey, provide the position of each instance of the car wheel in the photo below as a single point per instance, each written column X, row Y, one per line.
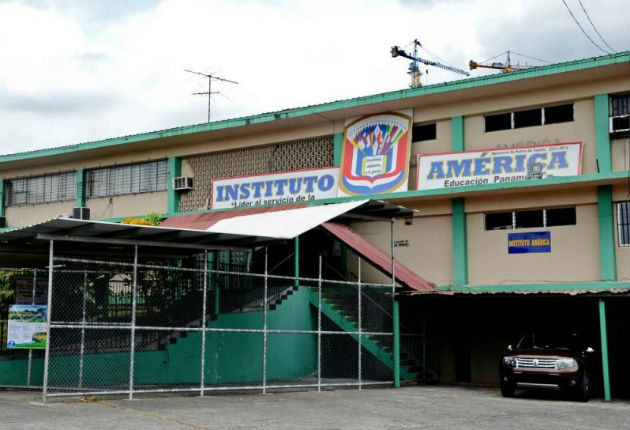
column 583, row 388
column 507, row 389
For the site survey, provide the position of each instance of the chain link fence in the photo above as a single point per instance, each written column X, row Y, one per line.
column 120, row 327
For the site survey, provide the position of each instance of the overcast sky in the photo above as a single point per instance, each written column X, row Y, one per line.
column 73, row 71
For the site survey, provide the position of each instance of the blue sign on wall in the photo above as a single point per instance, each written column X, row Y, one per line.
column 526, row 243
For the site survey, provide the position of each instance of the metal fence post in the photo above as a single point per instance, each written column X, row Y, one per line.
column 203, row 321
column 30, row 351
column 83, row 318
column 132, row 347
column 319, row 326
column 264, row 364
column 359, row 317
column 51, row 253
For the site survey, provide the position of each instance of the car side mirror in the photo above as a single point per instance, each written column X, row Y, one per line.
column 510, row 348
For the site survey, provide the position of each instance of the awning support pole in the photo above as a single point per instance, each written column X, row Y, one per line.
column 297, row 261
column 604, row 339
column 319, row 326
column 51, row 254
column 396, row 346
column 396, row 315
column 134, row 299
column 264, row 363
column 359, row 318
column 203, row 322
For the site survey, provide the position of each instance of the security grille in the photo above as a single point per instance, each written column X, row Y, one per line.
column 623, row 223
column 40, row 189
column 299, row 154
column 127, row 179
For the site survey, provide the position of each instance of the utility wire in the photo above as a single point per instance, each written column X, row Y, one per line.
column 581, row 28
column 530, row 57
column 595, row 28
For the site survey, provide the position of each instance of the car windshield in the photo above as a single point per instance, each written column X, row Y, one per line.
column 549, row 341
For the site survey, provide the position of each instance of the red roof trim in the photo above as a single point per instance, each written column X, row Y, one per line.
column 379, row 258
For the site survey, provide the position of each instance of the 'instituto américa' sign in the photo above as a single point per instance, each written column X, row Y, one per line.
column 457, row 169
column 275, row 188
column 530, row 242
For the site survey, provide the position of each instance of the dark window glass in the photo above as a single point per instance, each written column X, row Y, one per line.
column 621, row 105
column 527, row 118
column 561, row 216
column 556, row 114
column 499, row 221
column 527, row 219
column 502, row 121
column 422, row 132
column 623, row 223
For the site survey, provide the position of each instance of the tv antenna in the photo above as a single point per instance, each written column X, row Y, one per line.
column 209, row 93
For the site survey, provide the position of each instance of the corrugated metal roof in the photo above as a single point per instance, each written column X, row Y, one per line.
column 379, row 258
column 203, row 221
column 85, row 229
column 567, row 288
column 286, row 224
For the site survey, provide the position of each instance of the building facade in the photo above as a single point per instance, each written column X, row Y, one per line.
column 465, row 235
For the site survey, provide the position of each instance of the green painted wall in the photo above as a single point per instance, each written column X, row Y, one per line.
column 234, row 357
column 606, row 226
column 1, row 197
column 337, row 145
column 460, row 231
column 602, row 134
column 174, row 168
column 79, row 192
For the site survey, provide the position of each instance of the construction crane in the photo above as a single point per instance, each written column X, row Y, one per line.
column 507, row 67
column 414, row 68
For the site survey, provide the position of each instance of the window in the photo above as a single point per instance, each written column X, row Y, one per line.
column 40, row 189
column 620, row 105
column 623, row 223
column 558, row 114
column 421, row 132
column 502, row 121
column 529, row 117
column 128, row 179
column 530, row 219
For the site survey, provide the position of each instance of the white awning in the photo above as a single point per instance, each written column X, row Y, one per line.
column 285, row 224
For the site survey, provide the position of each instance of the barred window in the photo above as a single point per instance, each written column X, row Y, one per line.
column 623, row 223
column 128, row 179
column 40, row 189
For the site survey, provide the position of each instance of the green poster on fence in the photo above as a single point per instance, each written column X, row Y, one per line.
column 27, row 327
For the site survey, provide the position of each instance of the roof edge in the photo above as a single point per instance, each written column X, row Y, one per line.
column 551, row 69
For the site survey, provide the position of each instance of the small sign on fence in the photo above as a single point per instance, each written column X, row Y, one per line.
column 27, row 327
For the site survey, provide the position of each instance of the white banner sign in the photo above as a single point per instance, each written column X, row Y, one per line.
column 27, row 326
column 458, row 169
column 274, row 189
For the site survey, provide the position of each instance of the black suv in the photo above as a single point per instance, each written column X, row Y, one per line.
column 548, row 360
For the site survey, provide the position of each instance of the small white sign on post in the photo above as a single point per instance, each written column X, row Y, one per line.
column 276, row 188
column 493, row 166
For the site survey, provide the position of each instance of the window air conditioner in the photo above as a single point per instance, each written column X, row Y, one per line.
column 182, row 183
column 620, row 124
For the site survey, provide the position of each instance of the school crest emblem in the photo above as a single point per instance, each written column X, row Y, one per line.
column 375, row 154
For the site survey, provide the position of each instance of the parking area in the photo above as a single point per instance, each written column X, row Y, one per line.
column 419, row 407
